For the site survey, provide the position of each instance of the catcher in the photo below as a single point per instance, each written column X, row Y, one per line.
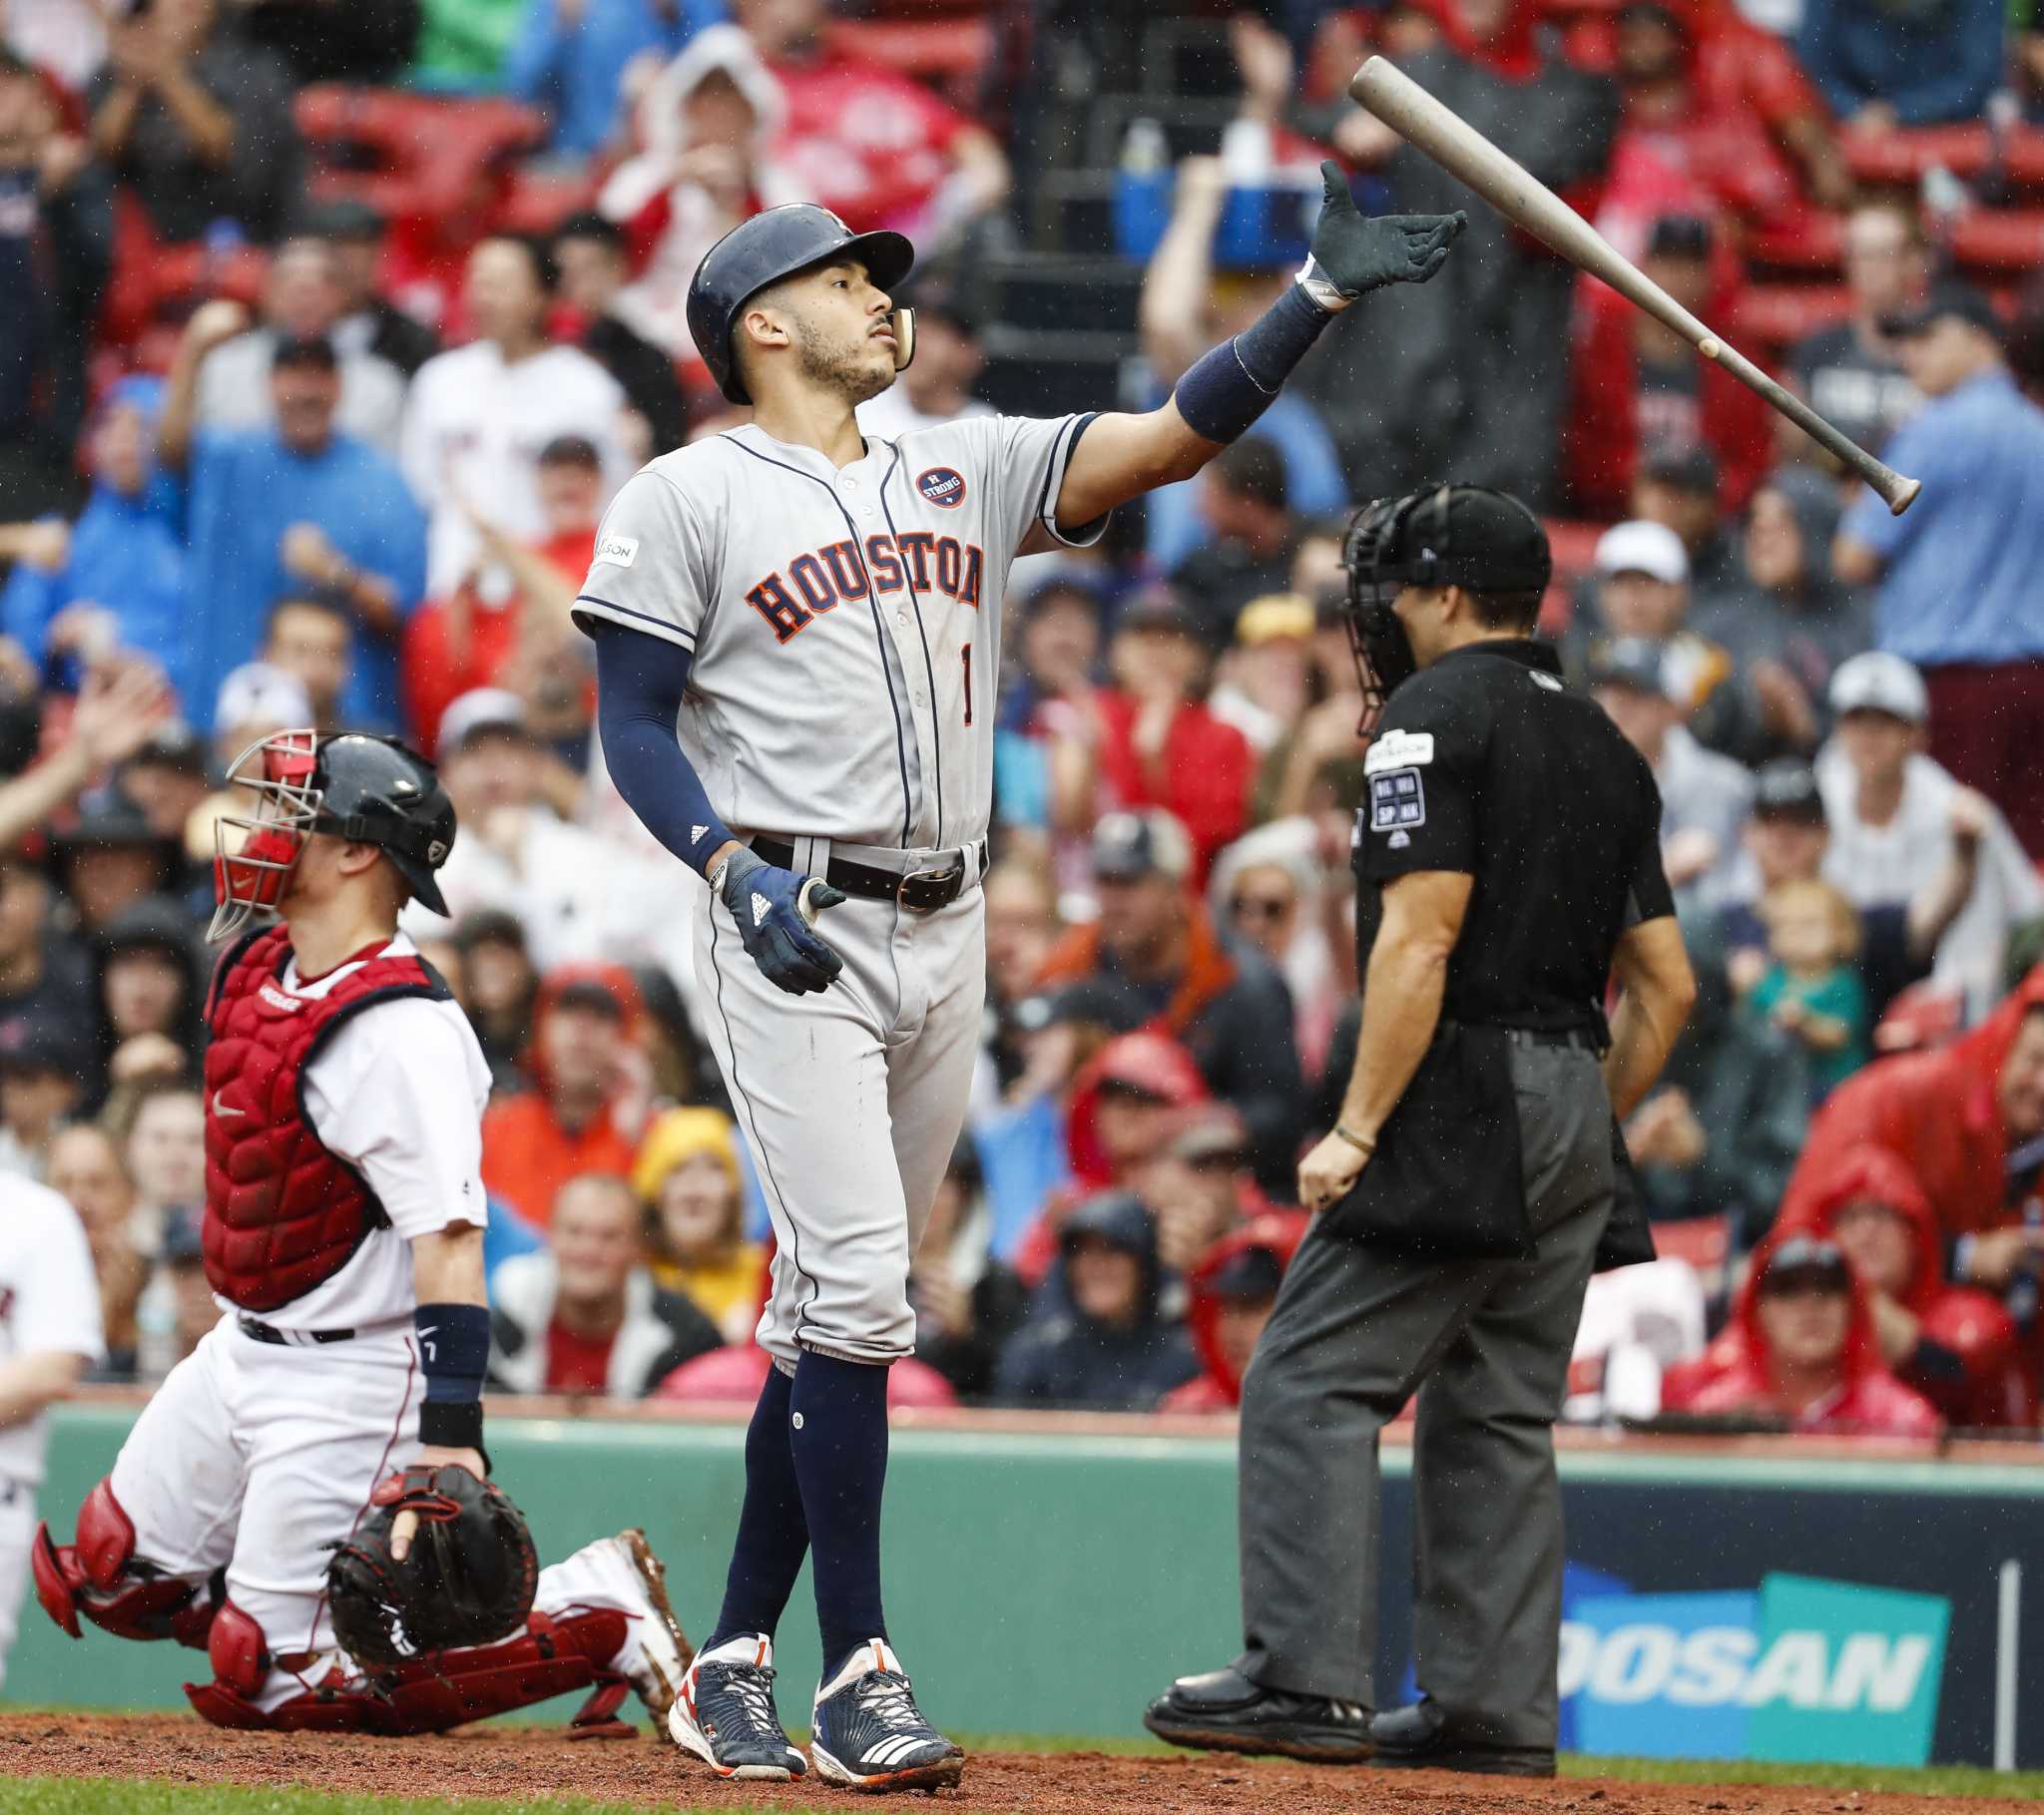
column 306, row 1497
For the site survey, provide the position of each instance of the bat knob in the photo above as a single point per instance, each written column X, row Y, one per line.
column 1708, row 348
column 1903, row 493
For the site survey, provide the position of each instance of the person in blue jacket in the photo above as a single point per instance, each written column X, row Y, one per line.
column 1886, row 63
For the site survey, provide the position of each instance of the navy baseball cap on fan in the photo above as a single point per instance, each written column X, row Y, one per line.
column 1249, row 1277
column 1947, row 297
column 1130, row 846
column 1786, row 790
column 1804, row 1263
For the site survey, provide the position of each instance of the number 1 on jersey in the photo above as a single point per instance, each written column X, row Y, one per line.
column 967, row 655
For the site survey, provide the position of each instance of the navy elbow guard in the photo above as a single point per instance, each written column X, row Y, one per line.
column 454, row 1354
column 1223, row 392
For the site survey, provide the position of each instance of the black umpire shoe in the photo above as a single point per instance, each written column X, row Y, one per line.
column 1424, row 1738
column 1222, row 1711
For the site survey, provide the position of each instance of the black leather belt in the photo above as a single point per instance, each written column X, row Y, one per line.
column 257, row 1331
column 1584, row 1040
column 920, row 891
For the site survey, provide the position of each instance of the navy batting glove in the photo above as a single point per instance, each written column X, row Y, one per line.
column 1357, row 254
column 765, row 901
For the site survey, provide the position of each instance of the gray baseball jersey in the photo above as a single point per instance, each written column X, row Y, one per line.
column 846, row 625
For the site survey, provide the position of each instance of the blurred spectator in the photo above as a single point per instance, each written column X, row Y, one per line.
column 1637, row 1323
column 1044, row 757
column 479, row 415
column 1233, row 1287
column 108, row 859
column 1186, row 309
column 1641, row 592
column 165, row 778
column 1156, row 948
column 1199, row 1186
column 85, row 1171
column 302, row 300
column 1267, row 889
column 1789, row 623
column 515, row 854
column 949, row 356
column 1110, row 1349
column 115, row 579
column 1266, row 676
column 1157, row 746
column 707, row 128
column 510, row 612
column 1810, row 989
column 66, row 37
column 1801, row 1351
column 41, row 975
column 1640, row 392
column 56, row 251
column 1966, row 1121
column 312, row 639
column 967, row 1303
column 1315, row 769
column 590, row 252
column 872, row 146
column 1704, row 796
column 285, row 505
column 369, row 321
column 687, row 1177
column 364, row 42
column 581, row 1112
column 1849, row 372
column 43, row 1070
column 1954, row 1344
column 1958, row 570
column 1681, row 491
column 1889, row 63
column 164, row 1155
column 1898, row 822
column 1718, row 117
column 583, row 1314
column 197, row 122
column 571, row 59
column 149, row 986
column 497, row 988
column 1021, row 927
column 1471, row 379
column 1250, row 534
column 181, row 1275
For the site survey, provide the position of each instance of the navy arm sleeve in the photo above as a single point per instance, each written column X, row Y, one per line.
column 638, row 684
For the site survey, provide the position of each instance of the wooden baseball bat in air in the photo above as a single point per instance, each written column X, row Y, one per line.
column 1460, row 149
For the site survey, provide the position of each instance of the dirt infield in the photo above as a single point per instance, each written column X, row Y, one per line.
column 517, row 1763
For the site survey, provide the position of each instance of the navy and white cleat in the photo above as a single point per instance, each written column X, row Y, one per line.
column 725, row 1713
column 868, row 1733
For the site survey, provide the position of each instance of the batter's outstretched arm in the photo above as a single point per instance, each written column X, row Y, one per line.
column 1122, row 456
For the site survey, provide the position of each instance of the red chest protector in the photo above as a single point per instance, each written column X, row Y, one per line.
column 282, row 1212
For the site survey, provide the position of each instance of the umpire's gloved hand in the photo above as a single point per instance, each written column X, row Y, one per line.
column 1354, row 254
column 768, row 903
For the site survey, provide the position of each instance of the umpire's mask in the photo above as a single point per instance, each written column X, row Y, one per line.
column 1447, row 535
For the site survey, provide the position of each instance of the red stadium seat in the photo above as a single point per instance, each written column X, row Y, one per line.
column 1775, row 315
column 151, row 281
column 2023, row 156
column 537, row 202
column 1705, row 1243
column 1574, row 546
column 2005, row 241
column 951, row 54
column 1814, row 243
column 411, row 157
column 1904, row 155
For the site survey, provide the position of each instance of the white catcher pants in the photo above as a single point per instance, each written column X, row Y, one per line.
column 256, row 1458
column 851, row 1103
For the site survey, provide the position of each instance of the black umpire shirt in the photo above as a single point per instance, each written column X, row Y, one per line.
column 1486, row 762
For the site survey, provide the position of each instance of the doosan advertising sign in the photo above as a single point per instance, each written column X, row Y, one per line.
column 1804, row 1668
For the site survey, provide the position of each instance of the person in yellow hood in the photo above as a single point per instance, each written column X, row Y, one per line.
column 687, row 1177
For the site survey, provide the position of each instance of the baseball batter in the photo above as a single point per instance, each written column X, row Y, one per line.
column 342, row 1239
column 798, row 634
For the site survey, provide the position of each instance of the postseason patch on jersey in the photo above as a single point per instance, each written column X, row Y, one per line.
column 1397, row 802
column 1398, row 750
column 617, row 551
column 941, row 485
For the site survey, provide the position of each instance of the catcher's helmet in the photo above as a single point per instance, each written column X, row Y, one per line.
column 773, row 244
column 367, row 789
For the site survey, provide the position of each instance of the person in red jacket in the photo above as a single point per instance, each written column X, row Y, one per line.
column 1232, row 1289
column 1639, row 391
column 1801, row 1348
column 1954, row 1344
column 1967, row 1121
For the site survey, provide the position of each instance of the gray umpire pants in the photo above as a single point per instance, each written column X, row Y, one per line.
column 1487, row 1344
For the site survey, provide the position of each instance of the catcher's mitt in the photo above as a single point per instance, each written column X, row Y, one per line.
column 469, row 1579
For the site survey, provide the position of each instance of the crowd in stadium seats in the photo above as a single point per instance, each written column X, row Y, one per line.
column 326, row 332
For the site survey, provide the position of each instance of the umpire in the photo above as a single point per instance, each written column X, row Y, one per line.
column 1508, row 863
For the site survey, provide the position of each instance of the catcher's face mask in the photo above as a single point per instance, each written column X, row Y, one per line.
column 254, row 854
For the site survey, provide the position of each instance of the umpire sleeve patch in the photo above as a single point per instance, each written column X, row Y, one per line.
column 1397, row 802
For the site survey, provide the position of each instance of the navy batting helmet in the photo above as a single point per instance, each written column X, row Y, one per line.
column 777, row 243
